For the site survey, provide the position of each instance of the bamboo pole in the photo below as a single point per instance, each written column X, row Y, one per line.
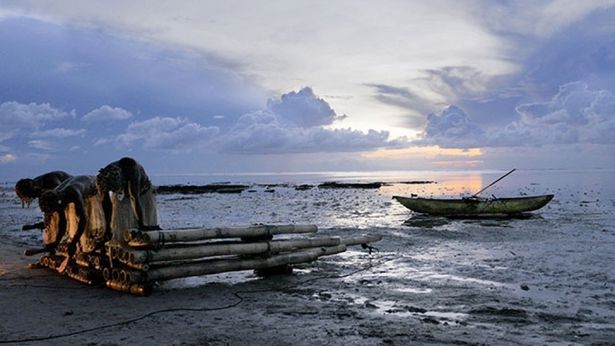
column 332, row 250
column 132, row 288
column 362, row 239
column 52, row 261
column 227, row 265
column 138, row 238
column 208, row 250
column 80, row 274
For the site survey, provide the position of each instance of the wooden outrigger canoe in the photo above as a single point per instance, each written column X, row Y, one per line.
column 474, row 206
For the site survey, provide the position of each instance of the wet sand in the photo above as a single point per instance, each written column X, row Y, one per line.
column 545, row 279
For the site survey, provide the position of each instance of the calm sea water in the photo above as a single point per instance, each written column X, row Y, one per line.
column 574, row 190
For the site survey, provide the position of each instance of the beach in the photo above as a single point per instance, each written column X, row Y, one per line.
column 546, row 278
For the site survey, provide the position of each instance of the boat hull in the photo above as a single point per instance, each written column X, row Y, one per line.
column 471, row 206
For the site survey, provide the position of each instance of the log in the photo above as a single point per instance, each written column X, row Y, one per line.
column 138, row 238
column 227, row 265
column 32, row 252
column 80, row 274
column 51, row 261
column 362, row 239
column 132, row 288
column 38, row 225
column 208, row 250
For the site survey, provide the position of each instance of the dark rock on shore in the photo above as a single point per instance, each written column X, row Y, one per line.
column 199, row 189
column 417, row 182
column 336, row 185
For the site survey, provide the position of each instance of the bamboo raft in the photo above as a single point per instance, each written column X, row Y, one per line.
column 142, row 258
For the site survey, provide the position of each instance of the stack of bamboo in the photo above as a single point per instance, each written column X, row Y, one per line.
column 142, row 258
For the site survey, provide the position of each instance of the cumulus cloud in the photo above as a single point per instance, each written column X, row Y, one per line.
column 294, row 124
column 15, row 115
column 302, row 109
column 107, row 113
column 166, row 134
column 262, row 133
column 20, row 119
column 451, row 128
column 575, row 114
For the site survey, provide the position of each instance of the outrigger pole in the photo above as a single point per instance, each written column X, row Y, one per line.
column 488, row 186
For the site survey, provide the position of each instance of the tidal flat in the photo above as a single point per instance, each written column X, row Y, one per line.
column 546, row 278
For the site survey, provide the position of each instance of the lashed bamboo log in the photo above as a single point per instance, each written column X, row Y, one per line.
column 132, row 288
column 80, row 274
column 362, row 239
column 106, row 274
column 138, row 238
column 227, row 265
column 207, row 250
column 51, row 261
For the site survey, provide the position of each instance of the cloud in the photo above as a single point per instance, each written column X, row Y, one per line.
column 294, row 124
column 302, row 109
column 42, row 145
column 7, row 158
column 542, row 19
column 91, row 69
column 574, row 115
column 165, row 134
column 59, row 133
column 451, row 128
column 571, row 68
column 21, row 119
column 267, row 136
column 401, row 97
column 14, row 115
column 583, row 51
column 107, row 113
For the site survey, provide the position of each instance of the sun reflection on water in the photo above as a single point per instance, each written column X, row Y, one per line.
column 450, row 186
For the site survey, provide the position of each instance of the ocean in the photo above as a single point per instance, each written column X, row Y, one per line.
column 544, row 279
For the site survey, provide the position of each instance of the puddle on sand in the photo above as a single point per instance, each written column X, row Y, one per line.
column 413, row 290
column 231, row 278
column 449, row 277
column 389, row 307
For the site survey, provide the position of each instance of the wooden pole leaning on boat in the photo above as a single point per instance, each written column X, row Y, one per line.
column 488, row 186
column 227, row 265
column 138, row 238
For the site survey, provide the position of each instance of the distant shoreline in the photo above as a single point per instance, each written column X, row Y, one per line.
column 238, row 188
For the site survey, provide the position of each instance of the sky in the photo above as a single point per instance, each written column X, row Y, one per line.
column 296, row 86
